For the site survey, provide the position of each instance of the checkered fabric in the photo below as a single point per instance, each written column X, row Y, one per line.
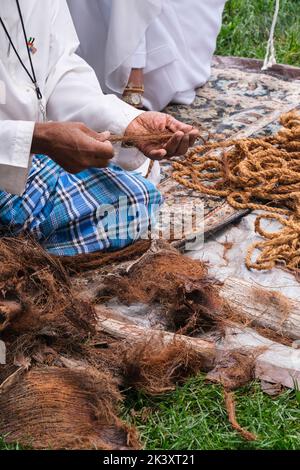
column 98, row 209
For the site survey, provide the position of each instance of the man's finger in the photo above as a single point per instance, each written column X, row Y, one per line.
column 193, row 136
column 99, row 136
column 104, row 150
column 95, row 147
column 74, row 169
column 98, row 150
column 176, row 126
column 103, row 136
column 157, row 154
column 174, row 143
column 184, row 145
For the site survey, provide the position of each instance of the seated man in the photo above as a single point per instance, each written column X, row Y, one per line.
column 152, row 52
column 57, row 181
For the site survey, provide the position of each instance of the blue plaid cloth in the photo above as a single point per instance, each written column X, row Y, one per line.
column 98, row 209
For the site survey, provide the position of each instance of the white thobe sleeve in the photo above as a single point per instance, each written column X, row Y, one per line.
column 15, row 145
column 73, row 92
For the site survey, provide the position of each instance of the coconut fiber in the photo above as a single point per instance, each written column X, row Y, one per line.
column 64, row 381
column 179, row 286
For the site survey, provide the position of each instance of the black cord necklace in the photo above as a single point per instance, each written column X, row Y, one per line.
column 31, row 75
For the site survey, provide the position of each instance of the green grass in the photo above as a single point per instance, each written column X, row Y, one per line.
column 194, row 418
column 297, row 391
column 246, row 29
column 4, row 446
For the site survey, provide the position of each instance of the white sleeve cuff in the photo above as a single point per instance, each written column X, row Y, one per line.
column 130, row 159
column 15, row 155
column 121, row 114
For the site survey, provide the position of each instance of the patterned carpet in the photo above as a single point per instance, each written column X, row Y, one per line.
column 239, row 100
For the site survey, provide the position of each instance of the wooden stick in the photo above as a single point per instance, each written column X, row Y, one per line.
column 263, row 307
column 276, row 363
column 131, row 332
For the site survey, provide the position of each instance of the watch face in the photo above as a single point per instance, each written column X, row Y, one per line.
column 136, row 99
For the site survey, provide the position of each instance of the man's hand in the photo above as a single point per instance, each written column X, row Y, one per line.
column 72, row 145
column 156, row 123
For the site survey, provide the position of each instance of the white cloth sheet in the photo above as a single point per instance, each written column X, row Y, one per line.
column 242, row 235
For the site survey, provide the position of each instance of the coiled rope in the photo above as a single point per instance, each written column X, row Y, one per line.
column 257, row 174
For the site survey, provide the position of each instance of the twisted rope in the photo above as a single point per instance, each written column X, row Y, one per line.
column 270, row 57
column 257, row 174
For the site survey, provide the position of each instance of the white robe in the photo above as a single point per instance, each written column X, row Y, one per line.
column 173, row 40
column 69, row 86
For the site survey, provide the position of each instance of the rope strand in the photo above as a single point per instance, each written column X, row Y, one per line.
column 270, row 58
column 135, row 139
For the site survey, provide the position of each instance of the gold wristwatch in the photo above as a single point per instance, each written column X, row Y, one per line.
column 134, row 96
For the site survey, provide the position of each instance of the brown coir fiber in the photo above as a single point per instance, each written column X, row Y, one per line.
column 90, row 261
column 74, row 404
column 40, row 285
column 60, row 387
column 180, row 285
column 55, row 408
column 156, row 368
column 233, row 369
column 231, row 410
column 273, row 299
